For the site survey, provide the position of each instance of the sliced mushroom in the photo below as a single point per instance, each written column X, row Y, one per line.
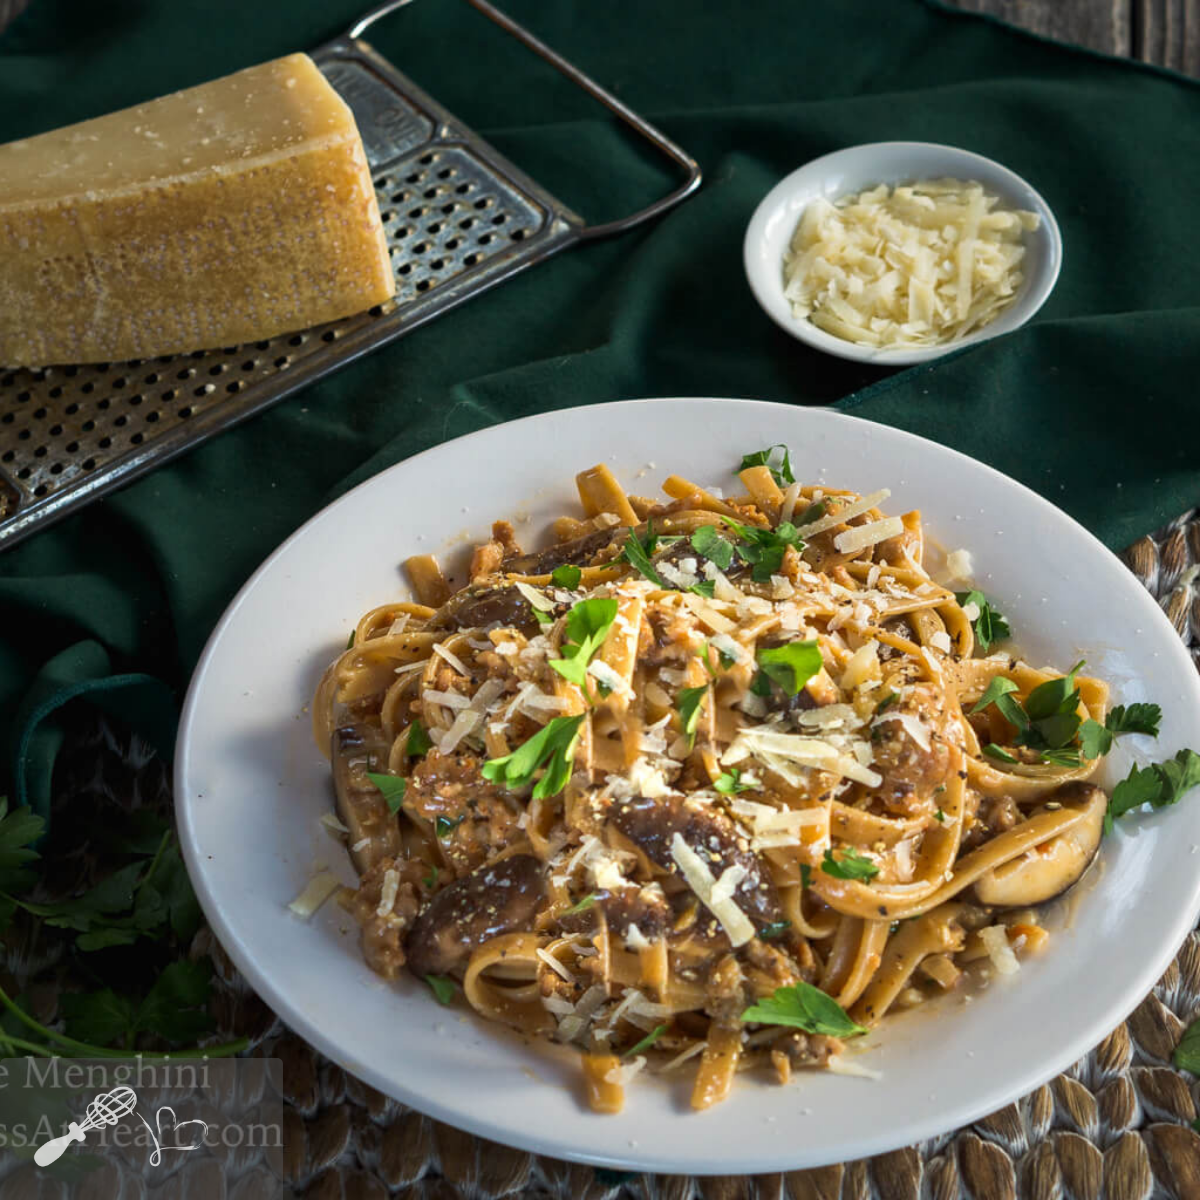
column 1049, row 869
column 482, row 605
column 652, row 824
column 497, row 899
column 374, row 831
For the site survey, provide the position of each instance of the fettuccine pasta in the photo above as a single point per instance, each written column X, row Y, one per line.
column 711, row 784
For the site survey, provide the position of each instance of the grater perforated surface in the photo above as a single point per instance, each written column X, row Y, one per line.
column 459, row 218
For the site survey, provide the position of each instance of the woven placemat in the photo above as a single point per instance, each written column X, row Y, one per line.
column 1116, row 1125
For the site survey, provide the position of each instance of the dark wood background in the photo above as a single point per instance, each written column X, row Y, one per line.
column 1164, row 32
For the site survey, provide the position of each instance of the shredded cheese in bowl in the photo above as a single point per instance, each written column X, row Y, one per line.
column 914, row 265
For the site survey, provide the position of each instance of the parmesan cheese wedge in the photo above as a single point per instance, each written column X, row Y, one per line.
column 227, row 213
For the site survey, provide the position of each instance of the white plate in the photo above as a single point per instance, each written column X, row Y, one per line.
column 250, row 786
column 857, row 167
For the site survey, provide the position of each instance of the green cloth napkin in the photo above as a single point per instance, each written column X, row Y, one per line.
column 1090, row 405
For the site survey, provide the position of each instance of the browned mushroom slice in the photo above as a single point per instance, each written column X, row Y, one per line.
column 500, row 898
column 483, row 605
column 1049, row 869
column 374, row 831
column 652, row 824
column 578, row 551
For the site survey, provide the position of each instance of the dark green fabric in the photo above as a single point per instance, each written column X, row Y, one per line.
column 1091, row 405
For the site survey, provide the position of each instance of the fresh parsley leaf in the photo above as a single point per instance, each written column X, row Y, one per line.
column 587, row 626
column 97, row 1017
column 691, row 707
column 1094, row 739
column 444, row 826
column 1159, row 785
column 729, row 783
column 762, row 458
column 1134, row 718
column 552, row 747
column 1053, row 697
column 442, row 988
column 19, row 829
column 998, row 753
column 566, row 576
column 998, row 686
column 805, row 875
column 774, row 930
column 851, row 865
column 990, row 626
column 542, row 617
column 580, row 906
column 760, row 685
column 646, row 1042
column 763, row 549
column 418, row 743
column 803, row 1006
column 637, row 553
column 1187, row 1053
column 814, row 512
column 175, row 1007
column 1065, row 756
column 349, row 646
column 708, row 542
column 430, row 880
column 793, row 665
column 940, row 816
column 886, row 702
column 705, row 587
column 392, row 787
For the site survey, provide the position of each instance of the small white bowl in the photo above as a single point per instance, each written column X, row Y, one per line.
column 851, row 170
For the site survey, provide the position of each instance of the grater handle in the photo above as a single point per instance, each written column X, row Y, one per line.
column 638, row 124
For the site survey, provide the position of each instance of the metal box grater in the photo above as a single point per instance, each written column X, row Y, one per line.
column 459, row 219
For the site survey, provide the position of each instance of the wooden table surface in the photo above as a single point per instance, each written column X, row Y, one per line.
column 1164, row 32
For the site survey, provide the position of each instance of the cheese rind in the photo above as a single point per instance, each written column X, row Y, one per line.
column 230, row 212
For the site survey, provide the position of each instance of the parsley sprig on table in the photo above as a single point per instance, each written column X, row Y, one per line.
column 149, row 898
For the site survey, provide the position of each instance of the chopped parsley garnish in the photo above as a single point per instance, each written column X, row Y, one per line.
column 637, row 553
column 566, row 576
column 781, row 473
column 998, row 753
column 1187, row 1053
column 350, row 640
column 1159, row 785
column 542, row 617
column 805, row 875
column 691, row 707
column 430, row 880
column 1096, row 740
column 646, row 1042
column 418, row 743
column 392, row 787
column 580, row 906
column 1048, row 722
column 791, row 666
column 552, row 747
column 442, row 988
column 729, row 783
column 760, row 685
column 776, row 929
column 587, row 626
column 940, row 816
column 886, row 702
column 707, row 542
column 851, row 865
column 763, row 549
column 803, row 1006
column 814, row 512
column 990, row 626
column 445, row 827
column 705, row 587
